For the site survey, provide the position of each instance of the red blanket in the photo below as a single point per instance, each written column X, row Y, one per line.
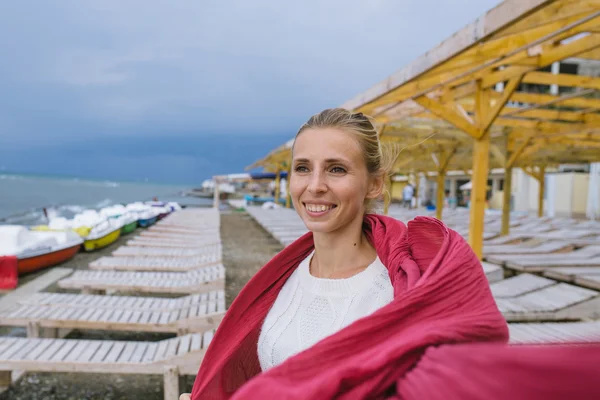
column 441, row 296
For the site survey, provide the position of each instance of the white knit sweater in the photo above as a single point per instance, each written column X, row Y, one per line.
column 308, row 309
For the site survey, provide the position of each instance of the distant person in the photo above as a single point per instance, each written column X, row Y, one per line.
column 407, row 195
column 363, row 306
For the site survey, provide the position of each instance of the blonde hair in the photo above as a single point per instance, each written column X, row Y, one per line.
column 379, row 159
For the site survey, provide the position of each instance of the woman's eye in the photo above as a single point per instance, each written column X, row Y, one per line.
column 338, row 170
column 301, row 168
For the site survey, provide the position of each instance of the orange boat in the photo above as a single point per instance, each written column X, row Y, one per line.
column 36, row 250
column 35, row 262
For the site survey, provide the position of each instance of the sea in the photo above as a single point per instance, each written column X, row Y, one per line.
column 24, row 197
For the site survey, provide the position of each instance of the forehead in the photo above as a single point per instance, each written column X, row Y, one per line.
column 323, row 143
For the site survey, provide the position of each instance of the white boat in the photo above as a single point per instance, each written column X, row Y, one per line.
column 37, row 249
column 146, row 214
column 128, row 218
column 96, row 230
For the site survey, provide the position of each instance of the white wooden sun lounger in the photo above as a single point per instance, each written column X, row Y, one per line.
column 197, row 240
column 140, row 303
column 171, row 244
column 197, row 281
column 555, row 332
column 528, row 297
column 117, row 313
column 529, row 262
column 173, row 229
column 134, row 251
column 173, row 264
column 545, row 265
column 508, row 239
column 584, row 276
column 542, row 248
column 185, row 236
column 170, row 357
column 493, row 272
column 563, row 234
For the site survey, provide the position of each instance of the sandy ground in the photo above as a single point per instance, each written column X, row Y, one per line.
column 246, row 248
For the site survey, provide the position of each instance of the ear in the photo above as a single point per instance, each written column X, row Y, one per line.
column 376, row 184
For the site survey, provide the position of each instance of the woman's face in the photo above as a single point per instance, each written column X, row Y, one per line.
column 329, row 181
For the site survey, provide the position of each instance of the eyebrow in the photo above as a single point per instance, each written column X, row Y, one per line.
column 328, row 160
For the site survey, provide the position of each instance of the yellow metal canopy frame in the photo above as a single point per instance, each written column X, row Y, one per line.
column 465, row 105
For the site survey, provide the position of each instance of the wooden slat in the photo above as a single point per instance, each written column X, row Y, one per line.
column 64, row 351
column 103, row 351
column 44, row 345
column 114, row 352
column 76, row 351
column 51, row 350
column 89, row 351
column 519, row 285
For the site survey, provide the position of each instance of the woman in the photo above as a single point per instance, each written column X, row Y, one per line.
column 347, row 310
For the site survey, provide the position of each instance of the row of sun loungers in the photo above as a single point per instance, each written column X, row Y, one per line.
column 194, row 281
column 555, row 305
column 192, row 313
column 182, row 256
column 169, row 357
column 179, row 256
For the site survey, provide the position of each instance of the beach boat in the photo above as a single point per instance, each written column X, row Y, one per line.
column 97, row 231
column 163, row 208
column 38, row 249
column 128, row 219
column 146, row 215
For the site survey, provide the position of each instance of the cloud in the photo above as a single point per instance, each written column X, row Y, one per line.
column 75, row 71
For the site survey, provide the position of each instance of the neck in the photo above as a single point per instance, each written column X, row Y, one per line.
column 342, row 253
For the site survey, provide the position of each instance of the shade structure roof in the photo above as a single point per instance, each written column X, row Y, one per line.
column 518, row 87
column 496, row 75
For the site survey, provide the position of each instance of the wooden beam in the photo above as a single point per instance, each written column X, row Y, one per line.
column 542, row 186
column 547, row 99
column 498, row 154
column 547, row 55
column 555, row 11
column 448, row 114
column 506, row 13
column 506, row 198
column 481, row 150
column 444, row 161
column 517, row 153
column 494, row 110
column 546, row 78
column 440, row 192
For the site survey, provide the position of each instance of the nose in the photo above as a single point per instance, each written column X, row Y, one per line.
column 317, row 183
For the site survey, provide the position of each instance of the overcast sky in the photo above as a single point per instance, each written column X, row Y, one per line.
column 177, row 91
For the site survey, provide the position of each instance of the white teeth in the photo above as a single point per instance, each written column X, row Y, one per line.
column 317, row 207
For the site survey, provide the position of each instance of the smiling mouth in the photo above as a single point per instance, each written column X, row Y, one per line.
column 318, row 209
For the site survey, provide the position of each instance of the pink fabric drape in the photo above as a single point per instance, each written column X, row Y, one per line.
column 441, row 297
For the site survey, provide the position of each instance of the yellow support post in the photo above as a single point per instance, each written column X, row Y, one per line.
column 439, row 202
column 481, row 155
column 277, row 185
column 541, row 181
column 506, row 201
column 481, row 160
